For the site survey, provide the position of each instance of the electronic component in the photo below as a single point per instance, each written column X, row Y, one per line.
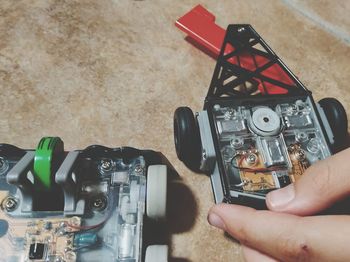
column 273, row 150
column 254, row 181
column 84, row 239
column 299, row 162
column 231, row 121
column 270, row 155
column 265, row 122
column 36, row 251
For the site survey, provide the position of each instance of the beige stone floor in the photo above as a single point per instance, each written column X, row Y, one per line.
column 113, row 72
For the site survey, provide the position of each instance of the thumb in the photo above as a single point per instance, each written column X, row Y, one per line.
column 321, row 185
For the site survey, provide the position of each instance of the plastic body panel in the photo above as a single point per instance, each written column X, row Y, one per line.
column 109, row 184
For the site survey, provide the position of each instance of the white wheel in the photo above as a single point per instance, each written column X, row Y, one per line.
column 157, row 253
column 156, row 192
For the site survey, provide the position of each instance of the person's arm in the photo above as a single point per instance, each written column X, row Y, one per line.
column 282, row 233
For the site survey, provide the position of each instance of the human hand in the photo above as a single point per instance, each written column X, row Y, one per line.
column 286, row 232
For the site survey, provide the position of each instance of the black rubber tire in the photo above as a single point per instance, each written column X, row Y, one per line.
column 186, row 138
column 337, row 119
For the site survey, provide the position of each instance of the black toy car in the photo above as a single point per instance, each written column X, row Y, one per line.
column 260, row 128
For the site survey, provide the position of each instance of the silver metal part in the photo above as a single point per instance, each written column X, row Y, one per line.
column 99, row 203
column 298, row 115
column 208, row 150
column 138, row 169
column 325, row 123
column 105, row 166
column 217, row 185
column 273, row 150
column 10, row 204
column 252, row 159
column 237, row 142
column 265, row 121
column 230, row 121
column 301, row 136
column 126, row 239
column 234, row 193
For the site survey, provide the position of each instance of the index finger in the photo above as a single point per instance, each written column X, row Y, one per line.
column 283, row 236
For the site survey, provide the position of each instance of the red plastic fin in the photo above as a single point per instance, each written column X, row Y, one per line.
column 199, row 25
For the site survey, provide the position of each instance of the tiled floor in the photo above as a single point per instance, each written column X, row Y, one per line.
column 113, row 72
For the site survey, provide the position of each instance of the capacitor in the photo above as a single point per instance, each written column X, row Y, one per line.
column 85, row 239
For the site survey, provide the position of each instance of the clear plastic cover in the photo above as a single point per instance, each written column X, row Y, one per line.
column 268, row 147
column 110, row 228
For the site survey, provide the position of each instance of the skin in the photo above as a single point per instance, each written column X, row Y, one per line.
column 287, row 231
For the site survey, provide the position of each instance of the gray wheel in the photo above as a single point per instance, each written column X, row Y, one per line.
column 156, row 192
column 157, row 253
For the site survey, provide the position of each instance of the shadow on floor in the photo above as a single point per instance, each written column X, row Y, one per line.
column 181, row 213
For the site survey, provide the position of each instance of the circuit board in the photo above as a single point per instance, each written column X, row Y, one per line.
column 42, row 239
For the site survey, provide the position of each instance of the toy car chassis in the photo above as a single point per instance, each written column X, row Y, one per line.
column 82, row 205
column 260, row 128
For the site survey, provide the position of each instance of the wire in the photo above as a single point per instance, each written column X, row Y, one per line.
column 92, row 226
column 89, row 227
column 254, row 170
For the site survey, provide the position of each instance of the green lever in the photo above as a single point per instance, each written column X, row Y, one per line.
column 46, row 152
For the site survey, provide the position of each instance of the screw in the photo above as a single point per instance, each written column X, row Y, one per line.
column 75, row 221
column 10, row 204
column 251, row 159
column 217, row 107
column 204, row 154
column 106, row 164
column 138, row 169
column 99, row 203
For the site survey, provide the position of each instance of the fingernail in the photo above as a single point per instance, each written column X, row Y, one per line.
column 281, row 197
column 216, row 221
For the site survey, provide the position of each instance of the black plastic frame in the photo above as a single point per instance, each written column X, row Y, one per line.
column 243, row 38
